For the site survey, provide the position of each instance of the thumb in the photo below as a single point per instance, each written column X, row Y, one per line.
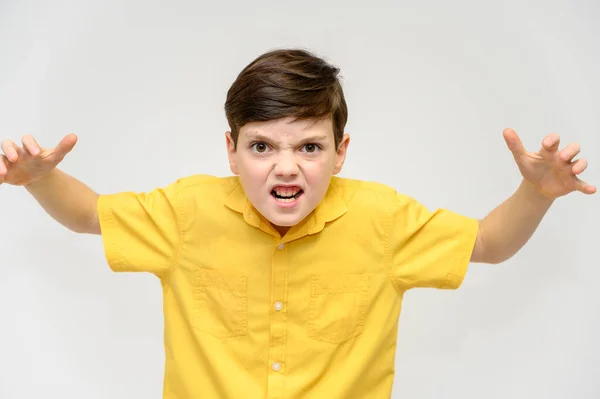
column 513, row 142
column 66, row 145
column 3, row 168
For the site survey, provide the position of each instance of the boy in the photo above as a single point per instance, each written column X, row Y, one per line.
column 286, row 281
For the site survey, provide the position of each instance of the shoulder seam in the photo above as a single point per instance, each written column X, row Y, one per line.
column 387, row 258
column 178, row 205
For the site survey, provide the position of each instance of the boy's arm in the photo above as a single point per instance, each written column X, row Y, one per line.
column 66, row 199
column 507, row 228
column 548, row 174
column 69, row 201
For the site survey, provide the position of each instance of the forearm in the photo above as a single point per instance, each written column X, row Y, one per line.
column 508, row 227
column 67, row 200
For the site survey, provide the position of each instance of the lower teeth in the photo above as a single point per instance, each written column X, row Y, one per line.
column 286, row 199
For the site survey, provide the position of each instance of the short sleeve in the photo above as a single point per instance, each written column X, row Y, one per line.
column 140, row 231
column 428, row 249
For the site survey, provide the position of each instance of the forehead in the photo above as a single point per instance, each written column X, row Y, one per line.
column 288, row 128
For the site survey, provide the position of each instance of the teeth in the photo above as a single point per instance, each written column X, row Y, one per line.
column 286, row 194
column 286, row 199
column 286, row 191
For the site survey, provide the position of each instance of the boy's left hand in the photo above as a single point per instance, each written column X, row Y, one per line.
column 552, row 172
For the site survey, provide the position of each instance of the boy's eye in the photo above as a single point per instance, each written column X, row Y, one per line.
column 259, row 147
column 311, row 147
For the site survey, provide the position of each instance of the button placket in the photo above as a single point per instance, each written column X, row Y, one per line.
column 277, row 337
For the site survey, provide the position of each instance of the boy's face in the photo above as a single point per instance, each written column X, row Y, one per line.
column 285, row 166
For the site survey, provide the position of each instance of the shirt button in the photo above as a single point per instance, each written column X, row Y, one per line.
column 278, row 306
column 276, row 366
column 280, row 246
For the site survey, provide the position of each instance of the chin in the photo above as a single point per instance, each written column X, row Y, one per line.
column 284, row 221
column 284, row 216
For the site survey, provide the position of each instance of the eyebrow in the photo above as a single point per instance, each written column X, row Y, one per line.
column 260, row 137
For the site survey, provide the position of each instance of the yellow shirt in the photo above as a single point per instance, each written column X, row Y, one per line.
column 252, row 315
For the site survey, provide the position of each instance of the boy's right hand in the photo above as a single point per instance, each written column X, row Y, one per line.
column 20, row 166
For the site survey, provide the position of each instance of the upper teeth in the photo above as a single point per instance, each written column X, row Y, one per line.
column 286, row 191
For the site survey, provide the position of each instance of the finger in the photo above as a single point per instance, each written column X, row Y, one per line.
column 513, row 142
column 569, row 152
column 3, row 167
column 66, row 145
column 579, row 166
column 4, row 163
column 31, row 145
column 584, row 187
column 551, row 142
column 10, row 150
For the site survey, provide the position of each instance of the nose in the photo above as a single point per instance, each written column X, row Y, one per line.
column 286, row 165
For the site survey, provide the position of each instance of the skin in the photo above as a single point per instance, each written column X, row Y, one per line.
column 548, row 174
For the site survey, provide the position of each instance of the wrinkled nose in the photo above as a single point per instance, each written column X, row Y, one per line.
column 286, row 165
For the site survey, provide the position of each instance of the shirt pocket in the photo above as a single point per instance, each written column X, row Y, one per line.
column 220, row 303
column 337, row 307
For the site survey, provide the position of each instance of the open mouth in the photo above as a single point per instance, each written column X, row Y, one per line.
column 287, row 194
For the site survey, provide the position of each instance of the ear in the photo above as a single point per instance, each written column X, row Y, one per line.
column 231, row 153
column 341, row 154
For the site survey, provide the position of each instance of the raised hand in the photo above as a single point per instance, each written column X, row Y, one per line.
column 20, row 166
column 552, row 172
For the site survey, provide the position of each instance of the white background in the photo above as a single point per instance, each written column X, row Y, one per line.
column 430, row 86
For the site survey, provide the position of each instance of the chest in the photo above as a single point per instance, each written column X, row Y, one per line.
column 322, row 284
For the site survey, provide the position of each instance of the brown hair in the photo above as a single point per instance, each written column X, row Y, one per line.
column 287, row 83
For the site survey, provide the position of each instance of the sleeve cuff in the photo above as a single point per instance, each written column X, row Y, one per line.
column 457, row 275
column 112, row 251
